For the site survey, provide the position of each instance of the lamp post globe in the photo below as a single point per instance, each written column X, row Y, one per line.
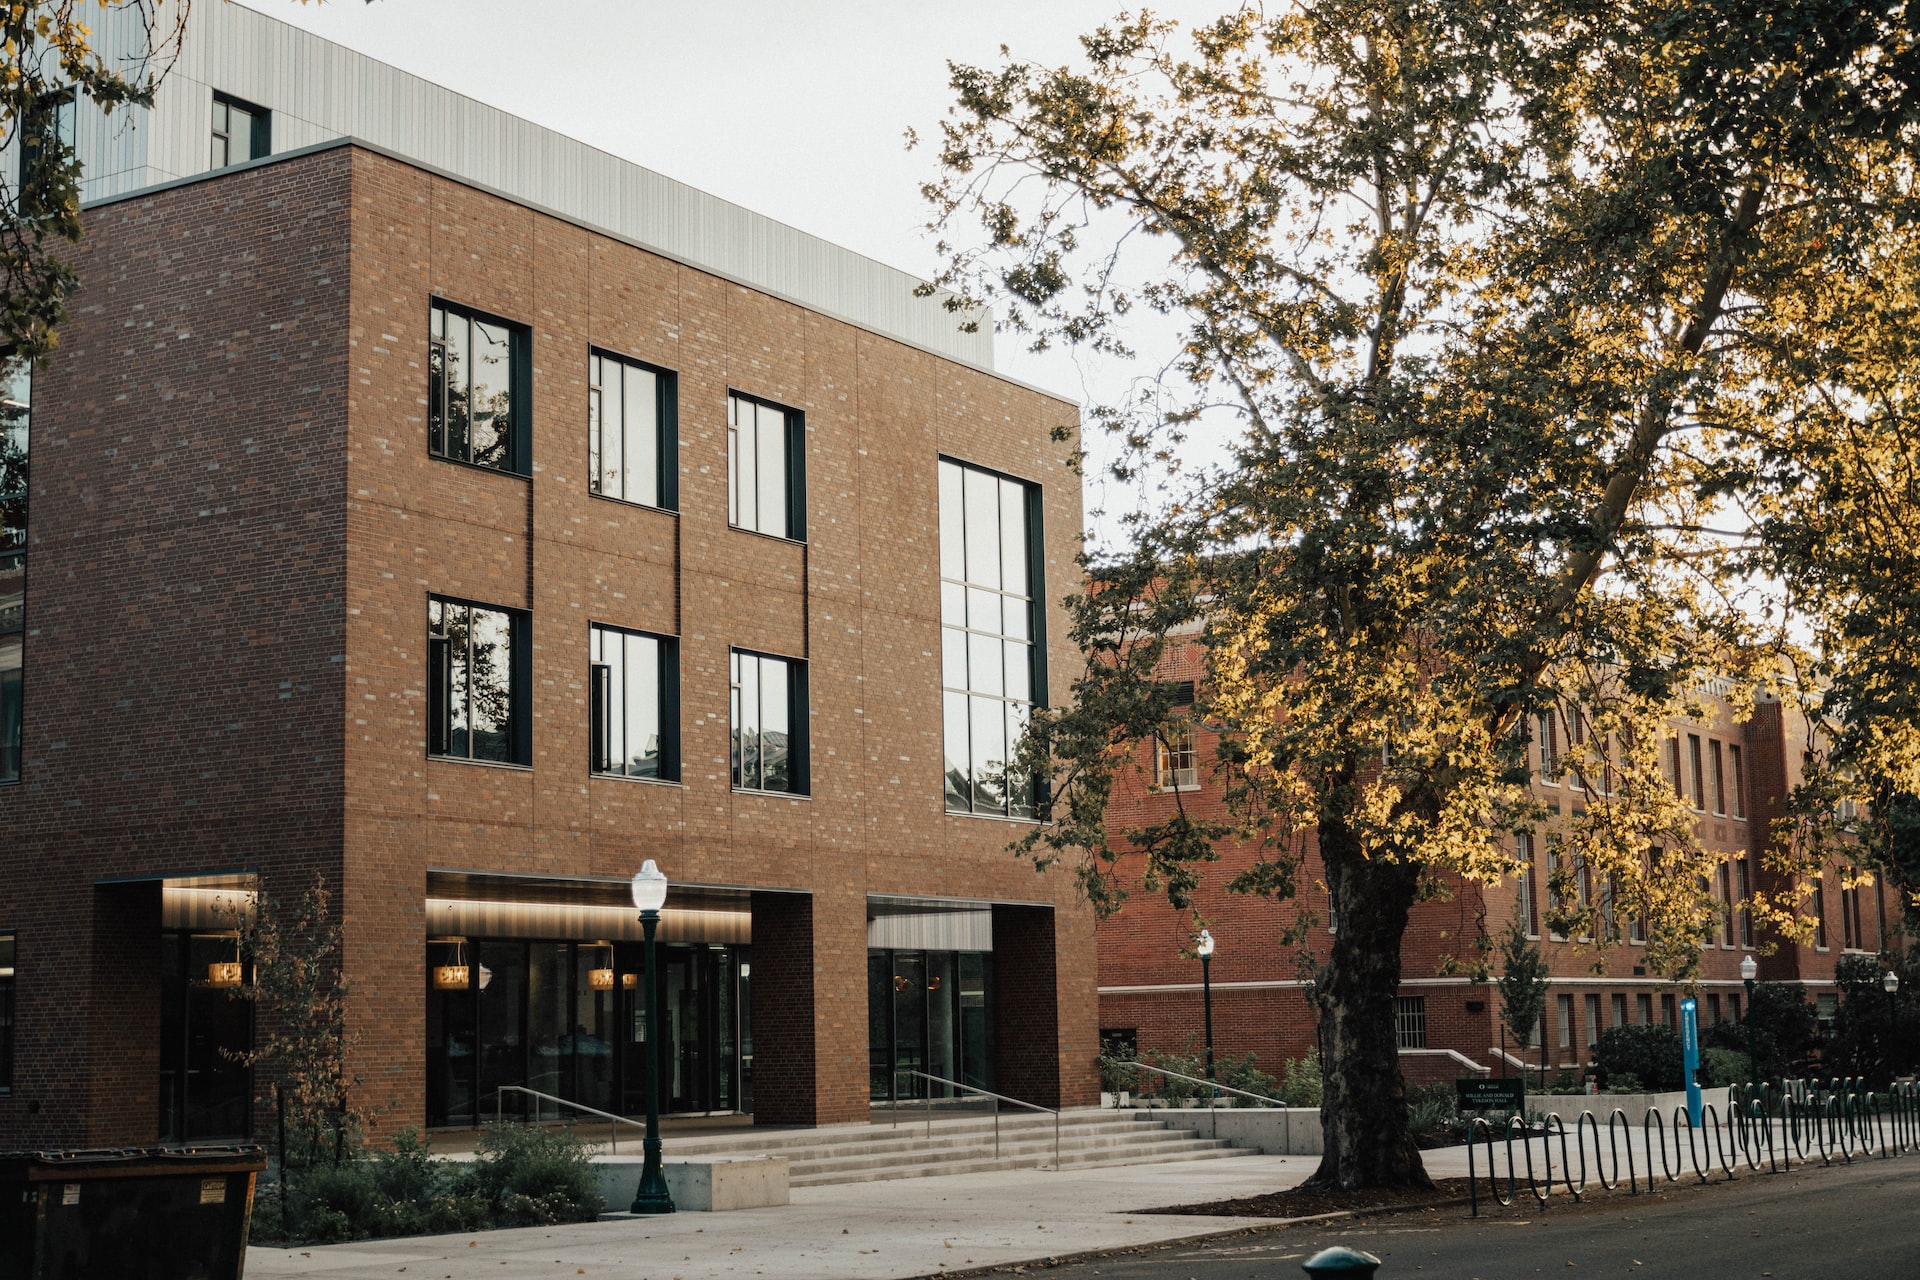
column 649, row 895
column 1890, row 982
column 1203, row 947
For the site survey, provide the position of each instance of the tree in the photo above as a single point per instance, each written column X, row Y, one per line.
column 1523, row 986
column 51, row 65
column 295, row 979
column 1487, row 289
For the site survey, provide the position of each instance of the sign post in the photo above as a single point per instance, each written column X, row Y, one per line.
column 1690, row 1058
column 1483, row 1093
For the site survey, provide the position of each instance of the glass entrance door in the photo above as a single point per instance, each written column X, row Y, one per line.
column 205, row 1087
column 698, row 987
column 928, row 1012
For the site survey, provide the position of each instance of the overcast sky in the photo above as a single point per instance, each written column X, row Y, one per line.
column 796, row 109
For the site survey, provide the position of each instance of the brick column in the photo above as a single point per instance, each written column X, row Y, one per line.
column 123, row 1016
column 1026, row 1005
column 784, row 1071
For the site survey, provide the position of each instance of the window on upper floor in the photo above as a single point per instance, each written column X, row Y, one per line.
column 1410, row 1022
column 477, row 682
column 16, row 411
column 1819, row 908
column 634, row 703
column 1643, row 1010
column 769, row 697
column 1719, row 777
column 632, row 437
column 1743, row 884
column 1548, row 736
column 1739, row 782
column 47, row 134
column 1525, row 906
column 1592, row 1003
column 1724, row 877
column 1563, row 1011
column 477, row 390
column 241, row 131
column 1853, row 938
column 766, row 468
column 1696, row 779
column 1619, row 1003
column 6, row 1014
column 1175, row 766
column 993, row 667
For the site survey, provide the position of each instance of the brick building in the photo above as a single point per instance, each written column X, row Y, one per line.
column 425, row 504
column 1735, row 774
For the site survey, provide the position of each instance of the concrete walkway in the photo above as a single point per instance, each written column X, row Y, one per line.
column 868, row 1231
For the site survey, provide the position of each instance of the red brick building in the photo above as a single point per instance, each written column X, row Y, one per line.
column 395, row 533
column 1735, row 774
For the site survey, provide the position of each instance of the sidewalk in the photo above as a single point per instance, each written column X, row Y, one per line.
column 862, row 1231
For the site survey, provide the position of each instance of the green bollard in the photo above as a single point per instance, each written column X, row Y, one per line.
column 1342, row 1264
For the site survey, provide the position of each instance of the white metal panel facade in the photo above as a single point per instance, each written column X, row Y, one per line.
column 318, row 91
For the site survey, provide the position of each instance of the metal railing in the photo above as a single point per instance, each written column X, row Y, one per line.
column 1765, row 1127
column 613, row 1121
column 1209, row 1084
column 985, row 1093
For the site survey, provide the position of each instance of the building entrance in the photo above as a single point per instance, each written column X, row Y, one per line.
column 205, row 1086
column 569, row 1019
column 931, row 1012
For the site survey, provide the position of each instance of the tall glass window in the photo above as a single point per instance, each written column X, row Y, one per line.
column 635, row 703
column 476, row 390
column 992, row 671
column 16, row 400
column 476, row 692
column 766, row 487
column 769, row 723
column 630, row 431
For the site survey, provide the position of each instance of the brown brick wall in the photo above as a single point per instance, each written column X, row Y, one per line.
column 236, row 526
column 184, row 610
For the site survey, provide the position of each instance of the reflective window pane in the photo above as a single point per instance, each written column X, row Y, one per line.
column 989, row 754
column 982, row 498
column 643, row 707
column 1013, row 537
column 953, row 658
column 984, row 664
column 640, row 409
column 959, row 761
column 774, row 729
column 491, row 399
column 983, row 610
column 953, row 547
column 772, row 464
column 953, row 604
column 1019, row 683
column 471, row 664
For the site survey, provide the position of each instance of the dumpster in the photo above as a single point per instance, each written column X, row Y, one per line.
column 136, row 1213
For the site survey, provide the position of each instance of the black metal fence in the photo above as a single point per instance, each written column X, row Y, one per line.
column 1765, row 1128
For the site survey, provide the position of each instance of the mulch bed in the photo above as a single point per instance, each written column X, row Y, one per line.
column 1303, row 1202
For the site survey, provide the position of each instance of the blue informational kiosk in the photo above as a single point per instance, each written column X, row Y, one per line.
column 1690, row 1057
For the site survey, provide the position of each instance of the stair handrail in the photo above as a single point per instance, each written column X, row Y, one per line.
column 1240, row 1093
column 613, row 1142
column 985, row 1093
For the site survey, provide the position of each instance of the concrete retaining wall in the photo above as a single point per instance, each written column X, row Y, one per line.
column 1272, row 1131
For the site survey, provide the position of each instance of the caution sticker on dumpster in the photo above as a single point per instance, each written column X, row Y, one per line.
column 213, row 1191
column 69, row 1193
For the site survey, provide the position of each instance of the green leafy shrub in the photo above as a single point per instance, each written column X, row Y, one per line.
column 1241, row 1074
column 1433, row 1114
column 1650, row 1053
column 528, row 1176
column 329, row 1203
column 1722, row 1066
column 1115, row 1060
column 1302, row 1084
column 1625, row 1082
column 1177, row 1092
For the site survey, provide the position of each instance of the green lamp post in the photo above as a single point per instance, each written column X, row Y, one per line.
column 649, row 895
column 1749, row 970
column 1204, row 948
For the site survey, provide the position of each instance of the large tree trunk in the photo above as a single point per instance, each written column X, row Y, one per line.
column 1364, row 1116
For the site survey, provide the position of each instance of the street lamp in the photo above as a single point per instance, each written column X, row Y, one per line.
column 1749, row 970
column 649, row 895
column 1204, row 949
column 1889, row 983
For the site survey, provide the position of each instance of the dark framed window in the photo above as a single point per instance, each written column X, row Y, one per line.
column 766, row 467
column 769, row 722
column 1410, row 1022
column 46, row 137
column 477, row 682
column 993, row 645
column 241, row 131
column 6, row 1014
column 634, row 703
column 16, row 413
column 632, row 431
column 478, row 387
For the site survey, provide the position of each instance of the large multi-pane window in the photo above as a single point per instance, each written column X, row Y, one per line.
column 1525, row 905
column 992, row 666
column 46, row 138
column 240, row 131
column 476, row 685
column 477, row 390
column 766, row 469
column 635, row 703
column 631, row 435
column 16, row 400
column 769, row 723
column 6, row 1014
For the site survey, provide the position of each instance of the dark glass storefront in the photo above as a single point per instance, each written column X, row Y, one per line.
column 929, row 1011
column 568, row 1019
column 205, row 1089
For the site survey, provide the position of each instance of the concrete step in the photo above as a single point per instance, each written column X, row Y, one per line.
column 1039, row 1152
column 989, row 1165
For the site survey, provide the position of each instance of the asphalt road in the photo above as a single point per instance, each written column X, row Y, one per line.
column 1832, row 1223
